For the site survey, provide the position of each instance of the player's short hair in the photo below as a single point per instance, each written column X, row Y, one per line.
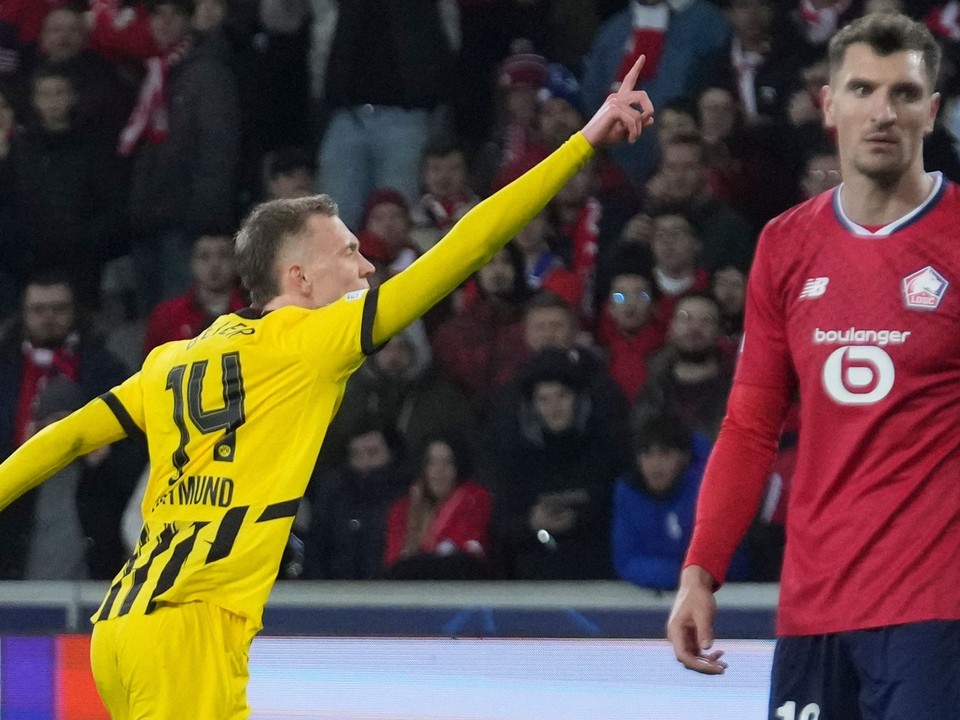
column 265, row 231
column 887, row 33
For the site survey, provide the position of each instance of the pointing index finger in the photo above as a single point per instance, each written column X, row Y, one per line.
column 630, row 81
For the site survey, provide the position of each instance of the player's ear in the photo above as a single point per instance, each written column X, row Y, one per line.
column 826, row 101
column 934, row 109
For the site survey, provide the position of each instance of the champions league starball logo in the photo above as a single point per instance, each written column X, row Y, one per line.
column 924, row 289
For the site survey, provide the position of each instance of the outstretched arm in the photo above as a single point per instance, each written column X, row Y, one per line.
column 56, row 446
column 494, row 222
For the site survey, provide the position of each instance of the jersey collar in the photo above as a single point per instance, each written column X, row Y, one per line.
column 918, row 212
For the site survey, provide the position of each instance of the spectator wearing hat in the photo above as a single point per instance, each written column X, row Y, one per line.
column 553, row 480
column 385, row 239
column 390, row 69
column 513, row 146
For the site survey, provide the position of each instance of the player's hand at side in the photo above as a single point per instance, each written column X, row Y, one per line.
column 623, row 115
column 690, row 627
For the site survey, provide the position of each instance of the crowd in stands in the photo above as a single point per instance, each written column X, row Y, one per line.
column 552, row 418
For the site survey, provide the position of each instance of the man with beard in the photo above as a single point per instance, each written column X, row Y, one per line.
column 48, row 344
column 690, row 377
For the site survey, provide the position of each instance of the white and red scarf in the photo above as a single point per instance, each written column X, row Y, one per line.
column 149, row 120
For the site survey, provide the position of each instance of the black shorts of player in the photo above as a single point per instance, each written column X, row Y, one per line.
column 902, row 672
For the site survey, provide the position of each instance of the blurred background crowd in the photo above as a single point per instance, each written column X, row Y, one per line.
column 552, row 418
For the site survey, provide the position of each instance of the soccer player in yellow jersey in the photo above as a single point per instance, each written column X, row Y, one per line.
column 234, row 419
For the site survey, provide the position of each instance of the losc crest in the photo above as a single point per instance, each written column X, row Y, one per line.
column 924, row 289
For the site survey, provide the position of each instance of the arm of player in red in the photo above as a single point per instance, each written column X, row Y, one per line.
column 731, row 492
column 56, row 446
column 494, row 222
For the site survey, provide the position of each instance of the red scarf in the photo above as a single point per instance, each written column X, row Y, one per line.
column 944, row 20
column 39, row 366
column 649, row 32
column 149, row 120
column 821, row 23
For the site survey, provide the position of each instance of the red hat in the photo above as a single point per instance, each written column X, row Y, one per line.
column 383, row 196
column 523, row 66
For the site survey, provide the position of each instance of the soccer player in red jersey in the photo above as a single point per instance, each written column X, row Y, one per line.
column 850, row 304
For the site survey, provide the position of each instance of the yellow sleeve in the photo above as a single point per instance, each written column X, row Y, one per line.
column 474, row 240
column 56, row 446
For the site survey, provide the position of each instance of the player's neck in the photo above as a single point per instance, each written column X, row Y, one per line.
column 868, row 202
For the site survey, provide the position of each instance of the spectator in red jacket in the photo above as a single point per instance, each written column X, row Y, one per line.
column 440, row 529
column 214, row 292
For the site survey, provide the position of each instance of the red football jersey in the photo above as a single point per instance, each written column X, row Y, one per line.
column 867, row 325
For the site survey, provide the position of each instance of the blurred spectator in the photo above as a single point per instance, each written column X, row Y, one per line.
column 767, row 537
column 13, row 269
column 760, row 65
column 20, row 24
column 553, row 479
column 539, row 258
column 385, row 240
column 676, row 261
column 690, row 377
column 349, row 505
column 448, row 196
column 288, row 173
column 48, row 341
column 184, row 134
column 439, row 529
column 103, row 98
column 821, row 171
column 634, row 331
column 746, row 171
column 390, row 67
column 815, row 21
column 401, row 387
column 65, row 186
column 728, row 285
column 681, row 185
column 679, row 38
column 513, row 145
column 653, row 505
column 215, row 292
column 474, row 347
column 56, row 546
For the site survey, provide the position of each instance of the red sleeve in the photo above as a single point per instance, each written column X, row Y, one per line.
column 737, row 472
column 736, row 475
column 396, row 531
column 156, row 332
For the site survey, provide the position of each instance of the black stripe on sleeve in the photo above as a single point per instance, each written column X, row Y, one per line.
column 285, row 509
column 126, row 422
column 366, row 322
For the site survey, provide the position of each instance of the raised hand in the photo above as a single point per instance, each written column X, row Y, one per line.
column 618, row 119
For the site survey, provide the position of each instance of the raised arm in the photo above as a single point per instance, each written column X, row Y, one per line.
column 56, row 446
column 495, row 221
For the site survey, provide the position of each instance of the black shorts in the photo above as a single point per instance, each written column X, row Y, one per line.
column 902, row 672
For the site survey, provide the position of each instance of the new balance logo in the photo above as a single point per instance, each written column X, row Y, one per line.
column 814, row 287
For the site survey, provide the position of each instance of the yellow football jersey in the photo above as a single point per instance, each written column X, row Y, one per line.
column 234, row 420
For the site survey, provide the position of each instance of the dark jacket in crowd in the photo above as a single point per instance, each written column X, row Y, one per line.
column 186, row 183
column 389, row 53
column 103, row 491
